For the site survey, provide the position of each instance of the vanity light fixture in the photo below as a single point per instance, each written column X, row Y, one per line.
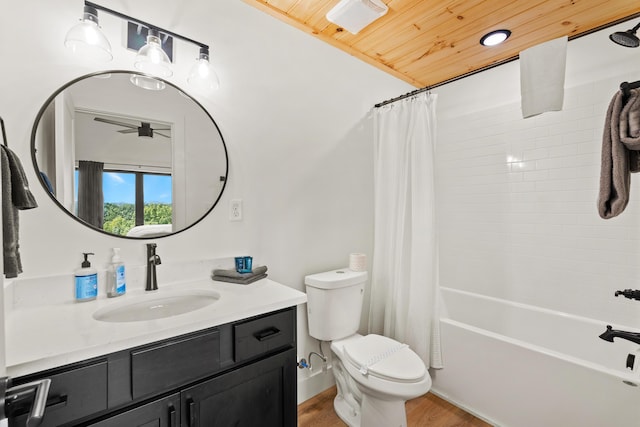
column 151, row 58
column 87, row 39
column 146, row 82
column 354, row 15
column 495, row 37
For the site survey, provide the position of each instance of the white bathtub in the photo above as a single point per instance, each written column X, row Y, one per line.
column 516, row 365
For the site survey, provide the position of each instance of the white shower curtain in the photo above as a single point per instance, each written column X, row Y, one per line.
column 404, row 280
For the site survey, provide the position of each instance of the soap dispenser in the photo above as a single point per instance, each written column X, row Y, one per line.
column 116, row 284
column 86, row 280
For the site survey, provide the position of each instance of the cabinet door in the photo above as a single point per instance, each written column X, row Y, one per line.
column 159, row 413
column 262, row 394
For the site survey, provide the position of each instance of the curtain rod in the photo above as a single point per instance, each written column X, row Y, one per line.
column 444, row 82
column 406, row 95
column 479, row 70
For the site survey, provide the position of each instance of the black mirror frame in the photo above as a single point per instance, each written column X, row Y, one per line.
column 92, row 227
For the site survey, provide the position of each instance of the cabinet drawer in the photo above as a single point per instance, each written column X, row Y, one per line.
column 264, row 334
column 160, row 367
column 73, row 394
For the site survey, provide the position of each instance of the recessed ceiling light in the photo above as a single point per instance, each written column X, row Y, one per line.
column 495, row 37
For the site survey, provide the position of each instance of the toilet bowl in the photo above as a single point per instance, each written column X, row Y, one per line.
column 374, row 374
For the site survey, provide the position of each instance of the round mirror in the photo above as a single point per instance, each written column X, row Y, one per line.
column 129, row 159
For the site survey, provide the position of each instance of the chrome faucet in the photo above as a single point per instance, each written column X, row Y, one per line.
column 610, row 334
column 152, row 260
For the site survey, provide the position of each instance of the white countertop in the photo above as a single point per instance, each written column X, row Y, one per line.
column 44, row 336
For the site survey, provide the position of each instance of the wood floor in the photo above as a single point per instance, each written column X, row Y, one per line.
column 428, row 410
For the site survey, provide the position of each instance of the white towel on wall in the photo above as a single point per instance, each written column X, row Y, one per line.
column 542, row 72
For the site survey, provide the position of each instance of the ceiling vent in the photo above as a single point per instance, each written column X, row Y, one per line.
column 354, row 15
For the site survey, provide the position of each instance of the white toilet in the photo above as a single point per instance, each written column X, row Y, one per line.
column 374, row 375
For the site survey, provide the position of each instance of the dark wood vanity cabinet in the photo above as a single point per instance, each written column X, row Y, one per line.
column 258, row 395
column 238, row 374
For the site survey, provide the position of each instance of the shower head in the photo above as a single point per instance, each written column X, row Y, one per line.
column 626, row 38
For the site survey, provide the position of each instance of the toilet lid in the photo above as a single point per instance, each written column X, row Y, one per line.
column 385, row 358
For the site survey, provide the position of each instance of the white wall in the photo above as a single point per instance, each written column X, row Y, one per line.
column 517, row 198
column 291, row 110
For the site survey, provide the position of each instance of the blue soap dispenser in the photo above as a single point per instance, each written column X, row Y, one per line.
column 86, row 280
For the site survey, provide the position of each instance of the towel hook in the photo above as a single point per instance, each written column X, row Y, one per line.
column 626, row 87
column 4, row 133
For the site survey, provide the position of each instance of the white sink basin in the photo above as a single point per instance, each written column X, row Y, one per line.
column 157, row 305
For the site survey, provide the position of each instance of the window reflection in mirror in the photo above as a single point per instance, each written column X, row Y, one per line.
column 127, row 204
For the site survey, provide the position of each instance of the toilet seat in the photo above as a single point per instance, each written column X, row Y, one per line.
column 384, row 358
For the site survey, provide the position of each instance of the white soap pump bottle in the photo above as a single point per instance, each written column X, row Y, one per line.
column 116, row 281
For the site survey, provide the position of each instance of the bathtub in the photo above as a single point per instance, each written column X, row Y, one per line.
column 516, row 365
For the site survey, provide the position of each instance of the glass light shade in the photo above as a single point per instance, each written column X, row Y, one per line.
column 151, row 59
column 86, row 39
column 202, row 76
column 146, row 82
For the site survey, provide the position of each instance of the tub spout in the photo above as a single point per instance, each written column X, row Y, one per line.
column 629, row 293
column 610, row 334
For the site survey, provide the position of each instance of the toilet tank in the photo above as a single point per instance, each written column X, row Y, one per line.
column 334, row 303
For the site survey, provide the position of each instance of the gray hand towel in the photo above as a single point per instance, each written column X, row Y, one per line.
column 620, row 158
column 15, row 195
column 234, row 274
column 21, row 196
column 239, row 281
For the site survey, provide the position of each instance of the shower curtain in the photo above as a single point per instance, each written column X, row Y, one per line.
column 404, row 279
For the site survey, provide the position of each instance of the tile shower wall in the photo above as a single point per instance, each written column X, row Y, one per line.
column 516, row 202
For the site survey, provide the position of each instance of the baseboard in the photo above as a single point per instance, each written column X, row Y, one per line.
column 313, row 384
column 464, row 407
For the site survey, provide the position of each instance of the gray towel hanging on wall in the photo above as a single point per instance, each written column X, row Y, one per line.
column 620, row 152
column 15, row 196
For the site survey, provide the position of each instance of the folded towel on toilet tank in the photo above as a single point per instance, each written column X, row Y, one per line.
column 620, row 153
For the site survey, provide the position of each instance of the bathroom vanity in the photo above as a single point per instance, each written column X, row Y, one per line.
column 230, row 363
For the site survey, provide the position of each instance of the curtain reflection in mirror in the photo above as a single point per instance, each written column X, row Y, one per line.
column 90, row 195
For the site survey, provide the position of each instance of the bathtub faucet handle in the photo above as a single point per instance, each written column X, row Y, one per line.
column 611, row 333
column 629, row 293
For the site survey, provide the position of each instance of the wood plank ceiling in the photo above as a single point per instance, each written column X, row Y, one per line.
column 427, row 42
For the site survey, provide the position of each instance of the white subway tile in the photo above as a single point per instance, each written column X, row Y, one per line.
column 517, row 202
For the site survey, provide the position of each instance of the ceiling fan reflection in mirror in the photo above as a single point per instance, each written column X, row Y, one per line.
column 144, row 130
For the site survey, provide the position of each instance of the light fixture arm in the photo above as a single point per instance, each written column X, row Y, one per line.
column 204, row 52
column 90, row 13
column 146, row 24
